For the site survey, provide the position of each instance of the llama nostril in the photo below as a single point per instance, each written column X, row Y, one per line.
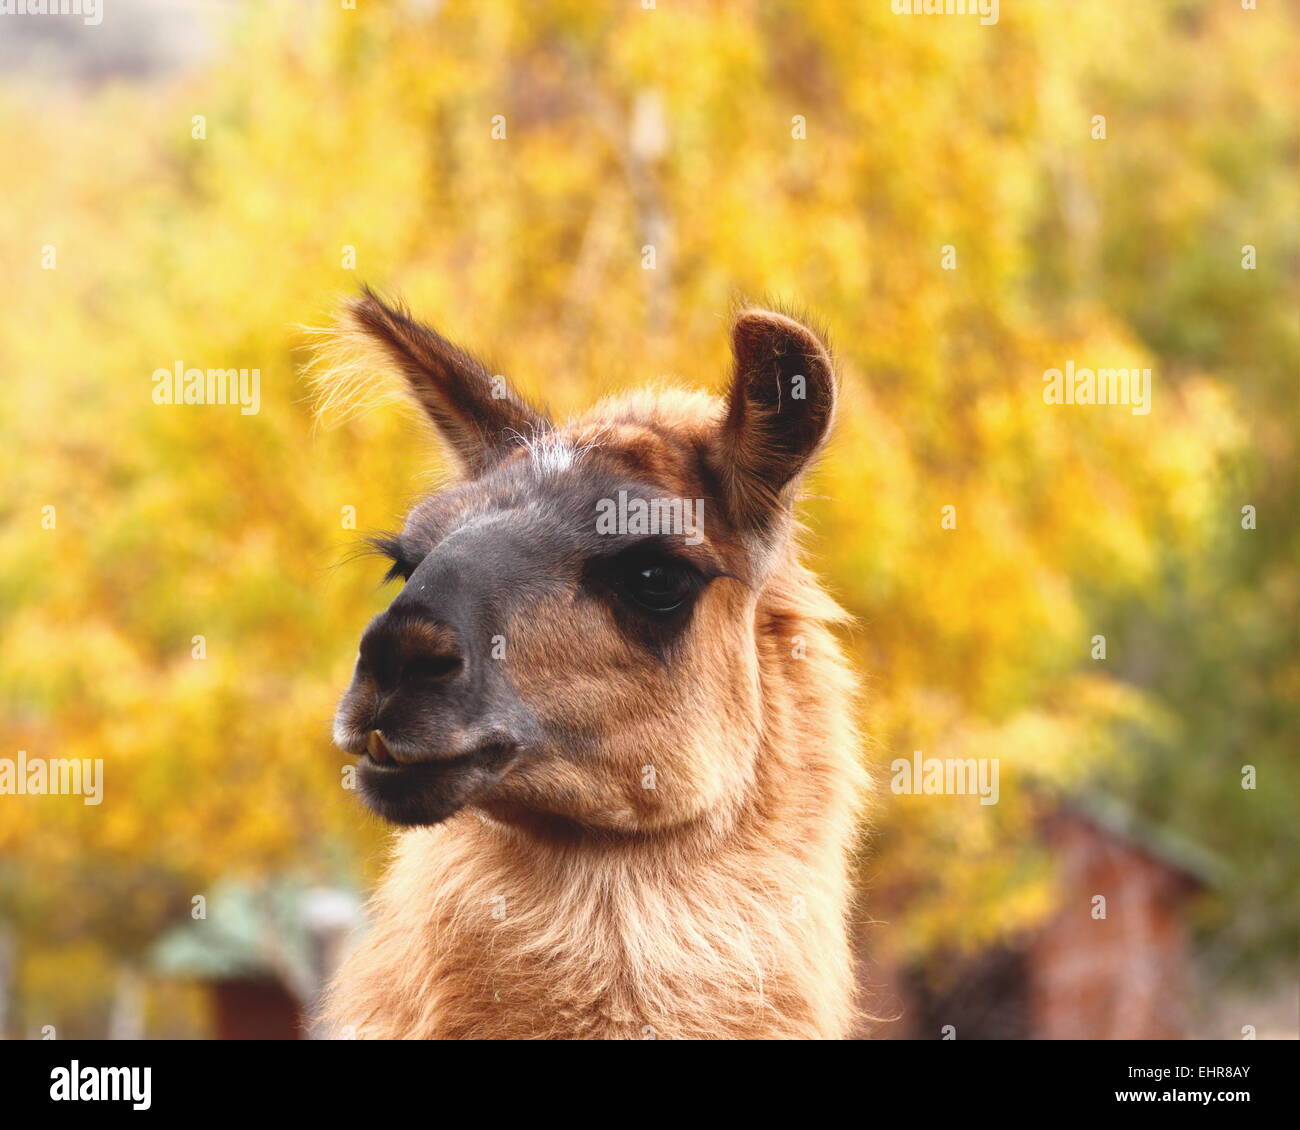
column 376, row 664
column 407, row 648
column 430, row 668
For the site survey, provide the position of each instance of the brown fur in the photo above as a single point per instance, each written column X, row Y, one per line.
column 568, row 900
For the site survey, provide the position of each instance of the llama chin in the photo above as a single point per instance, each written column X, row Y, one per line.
column 621, row 753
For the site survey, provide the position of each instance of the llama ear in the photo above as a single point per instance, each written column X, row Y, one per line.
column 779, row 411
column 478, row 415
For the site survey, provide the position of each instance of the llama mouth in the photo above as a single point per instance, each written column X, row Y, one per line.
column 395, row 766
column 380, row 755
column 429, row 790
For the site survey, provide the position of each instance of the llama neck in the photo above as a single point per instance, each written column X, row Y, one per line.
column 612, row 943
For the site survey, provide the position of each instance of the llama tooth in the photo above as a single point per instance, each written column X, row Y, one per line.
column 376, row 747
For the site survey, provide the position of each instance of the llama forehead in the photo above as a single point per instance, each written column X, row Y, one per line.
column 647, row 432
column 625, row 439
column 554, row 484
column 550, row 453
column 667, row 461
column 476, row 523
column 601, row 504
column 553, row 507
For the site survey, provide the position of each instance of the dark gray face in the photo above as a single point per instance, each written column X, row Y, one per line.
column 429, row 700
column 432, row 703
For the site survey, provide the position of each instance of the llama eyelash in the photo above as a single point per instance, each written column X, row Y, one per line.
column 389, row 546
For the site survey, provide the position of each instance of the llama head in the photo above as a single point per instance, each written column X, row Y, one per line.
column 576, row 646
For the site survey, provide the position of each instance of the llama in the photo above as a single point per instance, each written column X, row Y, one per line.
column 624, row 762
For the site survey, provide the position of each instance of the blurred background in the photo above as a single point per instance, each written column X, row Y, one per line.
column 579, row 190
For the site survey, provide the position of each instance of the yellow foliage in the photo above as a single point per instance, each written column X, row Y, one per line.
column 625, row 127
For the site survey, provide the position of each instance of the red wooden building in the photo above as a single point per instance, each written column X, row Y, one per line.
column 1111, row 963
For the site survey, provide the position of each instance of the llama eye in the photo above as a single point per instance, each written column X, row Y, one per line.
column 659, row 588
